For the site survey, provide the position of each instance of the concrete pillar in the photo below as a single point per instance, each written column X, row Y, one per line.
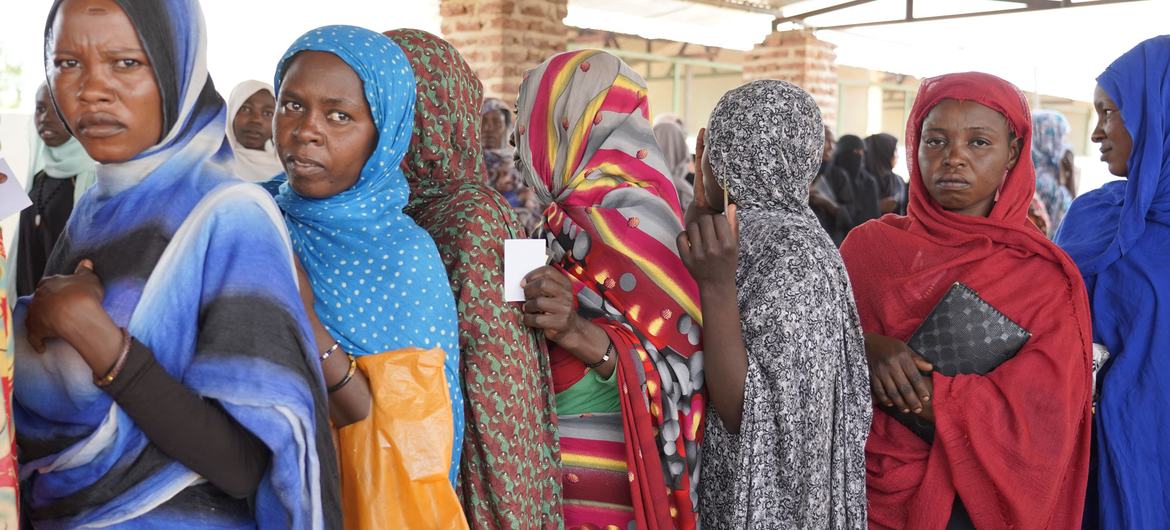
column 501, row 39
column 797, row 56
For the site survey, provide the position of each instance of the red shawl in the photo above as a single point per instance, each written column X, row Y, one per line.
column 1013, row 444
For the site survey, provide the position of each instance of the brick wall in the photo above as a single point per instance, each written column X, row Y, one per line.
column 501, row 39
column 798, row 57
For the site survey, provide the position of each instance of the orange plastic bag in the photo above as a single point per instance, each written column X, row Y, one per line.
column 394, row 463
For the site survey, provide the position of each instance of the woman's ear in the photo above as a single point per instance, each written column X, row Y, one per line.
column 1014, row 147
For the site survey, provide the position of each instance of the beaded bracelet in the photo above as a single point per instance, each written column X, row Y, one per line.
column 604, row 357
column 112, row 374
column 333, row 348
column 348, row 375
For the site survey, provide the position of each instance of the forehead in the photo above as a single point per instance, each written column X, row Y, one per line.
column 955, row 114
column 260, row 97
column 321, row 71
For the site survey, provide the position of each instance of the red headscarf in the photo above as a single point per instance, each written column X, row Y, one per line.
column 1013, row 444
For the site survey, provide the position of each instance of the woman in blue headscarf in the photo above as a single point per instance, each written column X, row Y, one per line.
column 1049, row 143
column 165, row 376
column 345, row 115
column 1119, row 236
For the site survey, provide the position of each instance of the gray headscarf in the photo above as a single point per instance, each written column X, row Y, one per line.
column 798, row 460
column 673, row 141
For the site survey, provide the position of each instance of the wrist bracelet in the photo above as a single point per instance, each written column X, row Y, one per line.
column 333, row 348
column 113, row 372
column 348, row 375
column 604, row 357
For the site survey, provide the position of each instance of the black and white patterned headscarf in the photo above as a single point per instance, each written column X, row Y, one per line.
column 798, row 460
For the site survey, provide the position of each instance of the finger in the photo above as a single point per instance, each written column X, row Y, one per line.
column 909, row 396
column 722, row 228
column 540, row 272
column 707, row 228
column 733, row 220
column 547, row 305
column 891, row 389
column 921, row 364
column 879, row 393
column 83, row 266
column 695, row 235
column 700, row 189
column 683, row 243
column 542, row 321
column 910, row 368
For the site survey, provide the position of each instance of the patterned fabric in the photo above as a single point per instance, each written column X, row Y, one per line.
column 790, row 465
column 9, row 514
column 197, row 266
column 672, row 139
column 1119, row 236
column 981, row 459
column 1049, row 142
column 511, row 472
column 584, row 139
column 251, row 165
column 597, row 483
column 377, row 277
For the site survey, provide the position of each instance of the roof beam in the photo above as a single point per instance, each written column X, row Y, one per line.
column 1031, row 5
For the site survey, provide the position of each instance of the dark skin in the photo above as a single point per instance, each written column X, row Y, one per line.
column 102, row 81
column 815, row 197
column 106, row 92
column 965, row 151
column 493, row 127
column 49, row 126
column 253, row 122
column 1068, row 172
column 709, row 248
column 1110, row 132
column 324, row 135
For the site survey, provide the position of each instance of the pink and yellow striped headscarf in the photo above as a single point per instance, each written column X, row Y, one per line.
column 585, row 144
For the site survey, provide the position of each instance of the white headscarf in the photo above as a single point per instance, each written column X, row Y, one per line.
column 251, row 165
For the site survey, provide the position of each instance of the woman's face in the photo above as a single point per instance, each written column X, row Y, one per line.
column 965, row 151
column 253, row 122
column 1110, row 132
column 324, row 130
column 49, row 126
column 711, row 186
column 493, row 129
column 103, row 81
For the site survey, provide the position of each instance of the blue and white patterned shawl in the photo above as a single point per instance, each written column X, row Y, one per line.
column 198, row 267
column 377, row 276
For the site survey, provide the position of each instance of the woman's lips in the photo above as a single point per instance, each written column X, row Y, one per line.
column 952, row 183
column 299, row 166
column 99, row 125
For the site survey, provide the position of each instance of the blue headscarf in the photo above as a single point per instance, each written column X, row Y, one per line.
column 1049, row 142
column 198, row 267
column 377, row 276
column 1119, row 236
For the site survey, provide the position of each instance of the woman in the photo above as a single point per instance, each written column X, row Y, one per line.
column 60, row 173
column 881, row 155
column 9, row 511
column 853, row 189
column 165, row 378
column 346, row 106
column 617, row 304
column 1119, row 236
column 771, row 460
column 1050, row 141
column 251, row 107
column 502, row 174
column 1010, row 447
column 672, row 139
column 510, row 473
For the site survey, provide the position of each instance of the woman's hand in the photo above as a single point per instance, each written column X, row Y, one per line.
column 69, row 307
column 549, row 307
column 709, row 248
column 895, row 375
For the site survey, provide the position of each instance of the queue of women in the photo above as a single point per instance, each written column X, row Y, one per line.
column 303, row 325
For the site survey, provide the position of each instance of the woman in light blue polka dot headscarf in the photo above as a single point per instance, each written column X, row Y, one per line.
column 377, row 278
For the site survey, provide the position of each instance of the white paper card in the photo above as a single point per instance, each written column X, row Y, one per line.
column 13, row 199
column 521, row 256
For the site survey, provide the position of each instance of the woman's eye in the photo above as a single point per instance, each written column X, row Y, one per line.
column 980, row 142
column 338, row 116
column 65, row 63
column 291, row 106
column 266, row 114
column 128, row 63
column 934, row 142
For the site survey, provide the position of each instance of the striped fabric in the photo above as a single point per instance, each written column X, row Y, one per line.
column 585, row 145
column 596, row 477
